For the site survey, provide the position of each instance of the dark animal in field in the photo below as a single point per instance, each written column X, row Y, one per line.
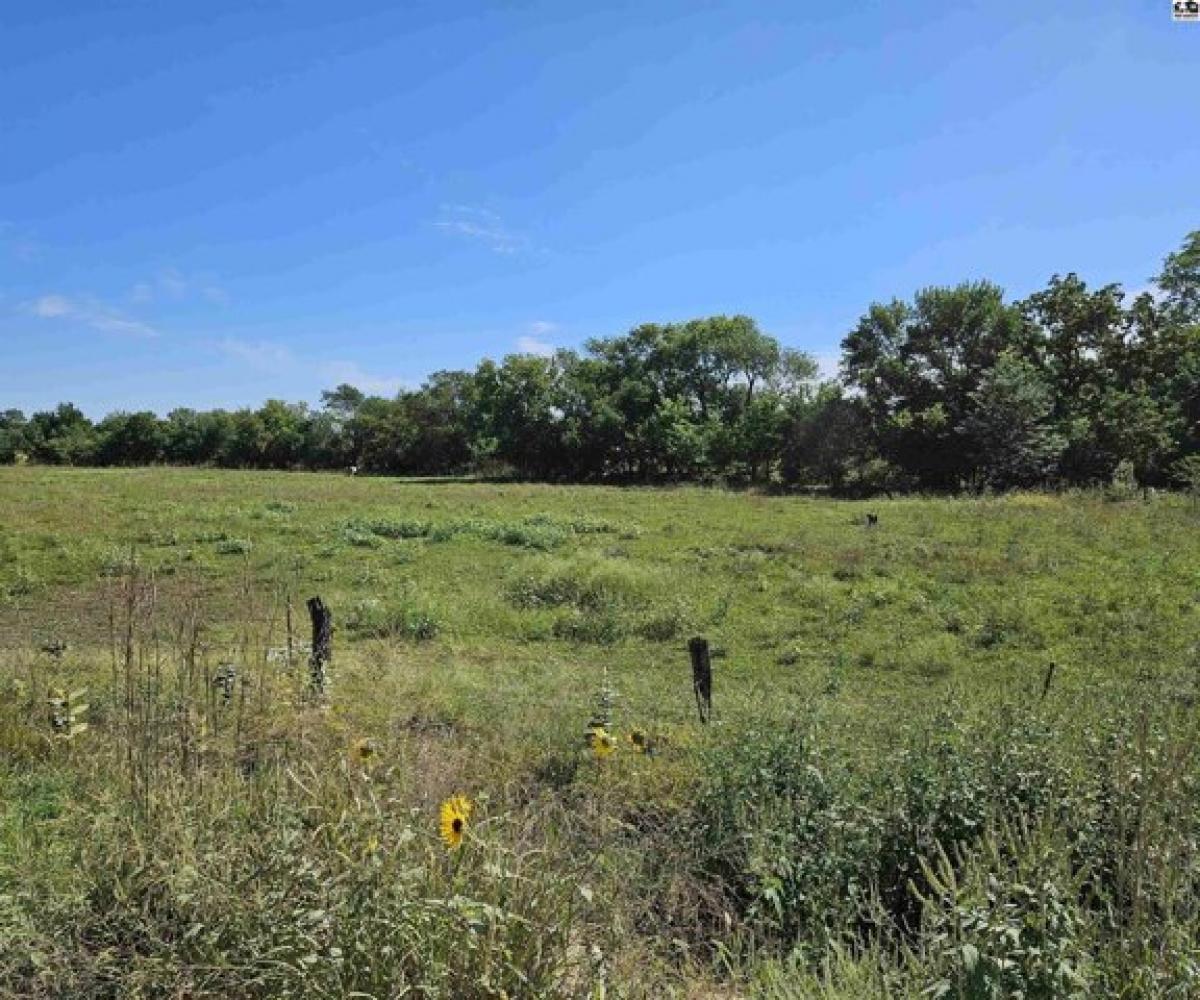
column 872, row 520
column 55, row 648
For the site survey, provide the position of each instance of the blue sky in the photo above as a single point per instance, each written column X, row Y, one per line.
column 215, row 203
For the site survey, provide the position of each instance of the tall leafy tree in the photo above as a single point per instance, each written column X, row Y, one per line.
column 916, row 366
column 1011, row 425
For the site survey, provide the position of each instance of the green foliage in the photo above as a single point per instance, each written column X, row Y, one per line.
column 192, row 844
column 589, row 583
column 397, row 619
column 233, row 546
column 956, row 389
column 780, row 835
column 1004, row 921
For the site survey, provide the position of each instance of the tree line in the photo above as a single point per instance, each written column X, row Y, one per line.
column 953, row 389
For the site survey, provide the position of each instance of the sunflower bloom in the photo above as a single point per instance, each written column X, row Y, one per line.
column 603, row 744
column 455, row 813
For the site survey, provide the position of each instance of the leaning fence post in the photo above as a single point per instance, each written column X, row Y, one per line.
column 701, row 676
column 322, row 645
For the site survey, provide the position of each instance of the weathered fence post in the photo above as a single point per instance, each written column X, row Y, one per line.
column 1047, row 680
column 322, row 644
column 701, row 676
column 291, row 645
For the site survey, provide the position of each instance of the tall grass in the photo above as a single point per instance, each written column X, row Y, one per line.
column 897, row 798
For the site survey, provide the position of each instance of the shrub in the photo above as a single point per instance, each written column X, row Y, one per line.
column 601, row 626
column 589, row 583
column 1003, row 920
column 782, row 837
column 359, row 539
column 233, row 547
column 391, row 529
column 401, row 620
column 665, row 624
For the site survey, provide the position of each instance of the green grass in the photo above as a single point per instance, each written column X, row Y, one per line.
column 477, row 629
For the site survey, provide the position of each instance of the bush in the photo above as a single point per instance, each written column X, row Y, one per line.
column 665, row 624
column 782, row 838
column 1004, row 921
column 391, row 529
column 403, row 620
column 601, row 626
column 233, row 547
column 586, row 584
column 359, row 539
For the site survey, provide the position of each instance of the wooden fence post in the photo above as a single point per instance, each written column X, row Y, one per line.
column 701, row 676
column 322, row 644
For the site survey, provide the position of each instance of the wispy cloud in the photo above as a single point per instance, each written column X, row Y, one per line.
column 172, row 285
column 372, row 384
column 89, row 312
column 535, row 341
column 272, row 357
column 483, row 226
column 262, row 355
column 531, row 345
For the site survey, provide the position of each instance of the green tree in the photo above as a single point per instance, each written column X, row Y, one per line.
column 1179, row 282
column 62, row 436
column 12, row 436
column 825, row 439
column 129, row 439
column 1011, row 426
column 916, row 366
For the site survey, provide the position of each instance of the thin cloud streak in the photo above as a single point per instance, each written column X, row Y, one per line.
column 262, row 355
column 172, row 285
column 481, row 225
column 273, row 358
column 532, row 345
column 89, row 312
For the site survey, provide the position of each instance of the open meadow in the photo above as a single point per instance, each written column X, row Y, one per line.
column 954, row 751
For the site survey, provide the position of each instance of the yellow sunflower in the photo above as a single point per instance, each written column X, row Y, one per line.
column 455, row 813
column 603, row 744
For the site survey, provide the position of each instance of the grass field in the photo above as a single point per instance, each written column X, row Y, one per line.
column 896, row 795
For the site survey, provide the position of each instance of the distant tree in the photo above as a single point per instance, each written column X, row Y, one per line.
column 1080, row 341
column 916, row 365
column 62, row 436
column 520, row 404
column 13, row 442
column 129, row 439
column 192, row 438
column 439, row 413
column 1179, row 282
column 283, row 433
column 343, row 401
column 825, row 439
column 1011, row 426
column 380, row 434
column 244, row 445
